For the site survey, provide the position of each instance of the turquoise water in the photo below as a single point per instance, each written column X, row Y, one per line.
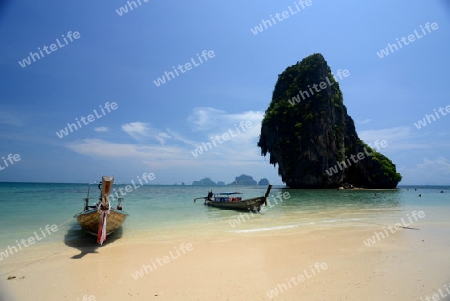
column 159, row 213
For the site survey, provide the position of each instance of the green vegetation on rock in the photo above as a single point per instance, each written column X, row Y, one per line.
column 306, row 132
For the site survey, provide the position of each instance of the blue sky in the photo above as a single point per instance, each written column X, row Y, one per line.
column 154, row 129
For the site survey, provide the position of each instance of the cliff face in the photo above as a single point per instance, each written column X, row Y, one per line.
column 306, row 131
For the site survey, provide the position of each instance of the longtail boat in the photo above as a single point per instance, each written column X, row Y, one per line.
column 102, row 219
column 232, row 200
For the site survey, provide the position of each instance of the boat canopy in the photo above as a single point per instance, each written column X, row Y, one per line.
column 228, row 193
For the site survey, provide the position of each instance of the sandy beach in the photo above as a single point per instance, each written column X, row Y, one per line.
column 328, row 264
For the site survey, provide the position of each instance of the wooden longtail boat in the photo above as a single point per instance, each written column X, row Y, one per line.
column 101, row 219
column 231, row 200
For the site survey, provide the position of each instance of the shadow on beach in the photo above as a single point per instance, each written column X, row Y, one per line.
column 87, row 243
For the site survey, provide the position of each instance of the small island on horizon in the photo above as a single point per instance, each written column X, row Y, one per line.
column 242, row 180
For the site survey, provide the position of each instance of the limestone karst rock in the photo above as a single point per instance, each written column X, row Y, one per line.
column 309, row 134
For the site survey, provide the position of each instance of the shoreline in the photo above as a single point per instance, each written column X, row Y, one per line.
column 263, row 255
column 251, row 265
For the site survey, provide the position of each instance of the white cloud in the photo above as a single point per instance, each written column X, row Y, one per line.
column 252, row 116
column 365, row 121
column 436, row 172
column 10, row 119
column 137, row 130
column 386, row 134
column 243, row 139
column 164, row 135
column 101, row 129
column 239, row 154
column 141, row 131
column 217, row 121
column 175, row 136
column 204, row 118
column 398, row 138
column 243, row 130
column 126, row 151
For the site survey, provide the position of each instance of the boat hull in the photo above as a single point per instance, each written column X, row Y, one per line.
column 91, row 219
column 245, row 205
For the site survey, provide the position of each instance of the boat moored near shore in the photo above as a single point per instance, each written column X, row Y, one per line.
column 101, row 219
column 232, row 200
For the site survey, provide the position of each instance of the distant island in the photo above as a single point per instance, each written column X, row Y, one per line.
column 242, row 180
column 204, row 182
column 307, row 132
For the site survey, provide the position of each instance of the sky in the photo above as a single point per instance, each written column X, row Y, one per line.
column 113, row 59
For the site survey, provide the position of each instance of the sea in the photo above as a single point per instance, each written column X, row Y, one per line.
column 159, row 213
